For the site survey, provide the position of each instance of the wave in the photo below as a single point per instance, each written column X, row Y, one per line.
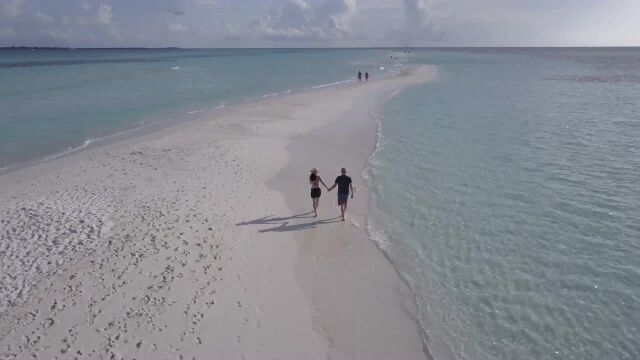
column 276, row 94
column 88, row 142
column 367, row 174
column 74, row 149
column 289, row 91
column 71, row 150
column 59, row 154
column 330, row 84
column 376, row 234
column 205, row 109
column 380, row 236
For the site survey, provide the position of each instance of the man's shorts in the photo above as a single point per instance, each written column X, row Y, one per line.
column 342, row 198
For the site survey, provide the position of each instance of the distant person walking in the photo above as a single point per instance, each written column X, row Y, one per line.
column 359, row 77
column 366, row 76
column 344, row 184
column 315, row 180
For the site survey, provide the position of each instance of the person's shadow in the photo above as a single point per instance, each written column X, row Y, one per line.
column 283, row 222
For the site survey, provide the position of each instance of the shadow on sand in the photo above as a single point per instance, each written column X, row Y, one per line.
column 283, row 222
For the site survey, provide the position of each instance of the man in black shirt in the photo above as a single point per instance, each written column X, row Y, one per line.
column 344, row 184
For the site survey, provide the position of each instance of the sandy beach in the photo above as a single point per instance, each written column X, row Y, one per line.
column 196, row 241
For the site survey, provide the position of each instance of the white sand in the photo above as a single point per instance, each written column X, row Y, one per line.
column 181, row 244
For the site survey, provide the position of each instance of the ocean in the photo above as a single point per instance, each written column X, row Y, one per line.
column 506, row 193
column 508, row 196
column 56, row 101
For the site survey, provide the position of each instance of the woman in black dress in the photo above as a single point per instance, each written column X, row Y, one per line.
column 315, row 180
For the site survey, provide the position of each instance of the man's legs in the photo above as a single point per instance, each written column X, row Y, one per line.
column 343, row 209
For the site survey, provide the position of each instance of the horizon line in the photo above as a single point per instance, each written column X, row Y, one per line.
column 312, row 48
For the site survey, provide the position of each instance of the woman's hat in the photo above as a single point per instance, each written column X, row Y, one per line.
column 315, row 170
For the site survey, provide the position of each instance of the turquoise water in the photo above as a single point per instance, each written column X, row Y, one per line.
column 508, row 196
column 507, row 192
column 52, row 101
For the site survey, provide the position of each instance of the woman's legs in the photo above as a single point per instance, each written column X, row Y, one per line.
column 315, row 205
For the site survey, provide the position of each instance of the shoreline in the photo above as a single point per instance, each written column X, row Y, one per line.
column 158, row 243
column 148, row 128
column 336, row 270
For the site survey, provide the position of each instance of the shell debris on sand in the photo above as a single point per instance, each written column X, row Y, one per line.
column 114, row 242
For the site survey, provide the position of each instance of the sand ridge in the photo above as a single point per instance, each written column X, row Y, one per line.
column 166, row 245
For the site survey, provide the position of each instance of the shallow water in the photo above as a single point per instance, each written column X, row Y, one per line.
column 507, row 192
column 508, row 196
column 52, row 101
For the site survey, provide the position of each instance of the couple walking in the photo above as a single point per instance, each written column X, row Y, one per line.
column 366, row 76
column 343, row 182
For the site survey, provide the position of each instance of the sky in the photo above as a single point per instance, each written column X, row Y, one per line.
column 318, row 23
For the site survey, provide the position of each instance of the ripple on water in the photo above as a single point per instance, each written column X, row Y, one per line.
column 517, row 208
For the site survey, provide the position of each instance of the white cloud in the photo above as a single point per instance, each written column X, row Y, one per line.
column 293, row 34
column 416, row 14
column 294, row 15
column 66, row 36
column 418, row 26
column 185, row 7
column 205, row 3
column 7, row 32
column 604, row 25
column 102, row 17
column 298, row 21
column 104, row 14
column 221, row 31
column 43, row 18
column 115, row 32
column 208, row 23
column 336, row 15
column 12, row 7
column 175, row 27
